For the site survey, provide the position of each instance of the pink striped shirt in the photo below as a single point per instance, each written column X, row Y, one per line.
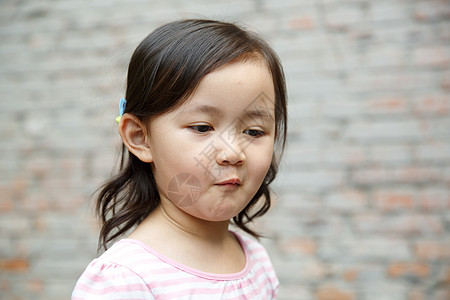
column 132, row 270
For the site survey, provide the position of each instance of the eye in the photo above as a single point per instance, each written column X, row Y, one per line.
column 201, row 128
column 254, row 132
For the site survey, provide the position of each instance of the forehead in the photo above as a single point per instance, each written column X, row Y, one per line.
column 238, row 86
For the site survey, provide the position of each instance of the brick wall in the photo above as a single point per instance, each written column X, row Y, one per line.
column 363, row 193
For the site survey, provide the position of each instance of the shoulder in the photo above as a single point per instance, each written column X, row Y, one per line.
column 255, row 251
column 259, row 265
column 259, row 261
column 251, row 246
column 115, row 272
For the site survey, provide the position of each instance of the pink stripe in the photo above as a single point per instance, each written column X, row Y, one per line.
column 160, row 271
column 215, row 291
column 173, row 282
column 262, row 286
column 192, row 279
column 96, row 290
column 219, row 290
column 197, row 292
column 192, row 271
column 95, row 277
column 258, row 253
column 125, row 252
column 248, row 283
column 128, row 298
column 151, row 273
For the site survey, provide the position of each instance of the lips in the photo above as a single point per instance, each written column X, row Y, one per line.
column 231, row 181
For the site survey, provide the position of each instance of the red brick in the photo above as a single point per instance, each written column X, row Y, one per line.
column 35, row 285
column 416, row 294
column 37, row 201
column 297, row 245
column 444, row 31
column 390, row 200
column 442, row 293
column 350, row 275
column 304, row 22
column 434, row 199
column 436, row 104
column 40, row 167
column 346, row 200
column 433, row 250
column 314, row 270
column 447, row 276
column 445, row 81
column 19, row 186
column 399, row 225
column 390, row 155
column 405, row 269
column 5, row 285
column 344, row 155
column 347, row 272
column 387, row 105
column 416, row 174
column 432, row 56
column 333, row 293
column 431, row 9
column 6, row 199
column 69, row 203
column 444, row 275
column 14, row 265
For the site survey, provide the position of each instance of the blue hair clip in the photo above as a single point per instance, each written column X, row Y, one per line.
column 122, row 105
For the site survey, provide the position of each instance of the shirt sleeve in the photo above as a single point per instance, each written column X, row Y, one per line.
column 110, row 281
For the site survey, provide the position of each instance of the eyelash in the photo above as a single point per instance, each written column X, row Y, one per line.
column 199, row 128
column 258, row 134
column 254, row 133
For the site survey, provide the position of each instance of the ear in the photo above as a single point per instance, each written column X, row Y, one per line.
column 134, row 136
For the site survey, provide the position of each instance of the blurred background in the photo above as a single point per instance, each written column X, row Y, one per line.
column 363, row 197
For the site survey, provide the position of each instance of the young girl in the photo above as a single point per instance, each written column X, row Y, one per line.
column 205, row 111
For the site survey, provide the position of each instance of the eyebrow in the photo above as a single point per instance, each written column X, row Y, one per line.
column 260, row 113
column 208, row 109
column 249, row 113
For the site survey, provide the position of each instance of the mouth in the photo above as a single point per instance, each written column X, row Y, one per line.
column 230, row 182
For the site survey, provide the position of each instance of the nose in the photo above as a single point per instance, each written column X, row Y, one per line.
column 231, row 152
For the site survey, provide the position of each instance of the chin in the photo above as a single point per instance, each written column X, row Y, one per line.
column 224, row 215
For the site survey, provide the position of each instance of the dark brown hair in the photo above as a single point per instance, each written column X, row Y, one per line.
column 164, row 70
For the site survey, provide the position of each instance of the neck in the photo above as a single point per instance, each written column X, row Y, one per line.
column 191, row 226
column 169, row 221
column 199, row 244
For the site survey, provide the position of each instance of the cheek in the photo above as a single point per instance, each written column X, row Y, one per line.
column 175, row 163
column 260, row 162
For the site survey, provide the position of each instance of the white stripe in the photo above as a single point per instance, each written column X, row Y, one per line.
column 127, row 263
column 123, row 295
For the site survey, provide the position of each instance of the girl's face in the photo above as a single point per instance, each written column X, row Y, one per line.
column 211, row 154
